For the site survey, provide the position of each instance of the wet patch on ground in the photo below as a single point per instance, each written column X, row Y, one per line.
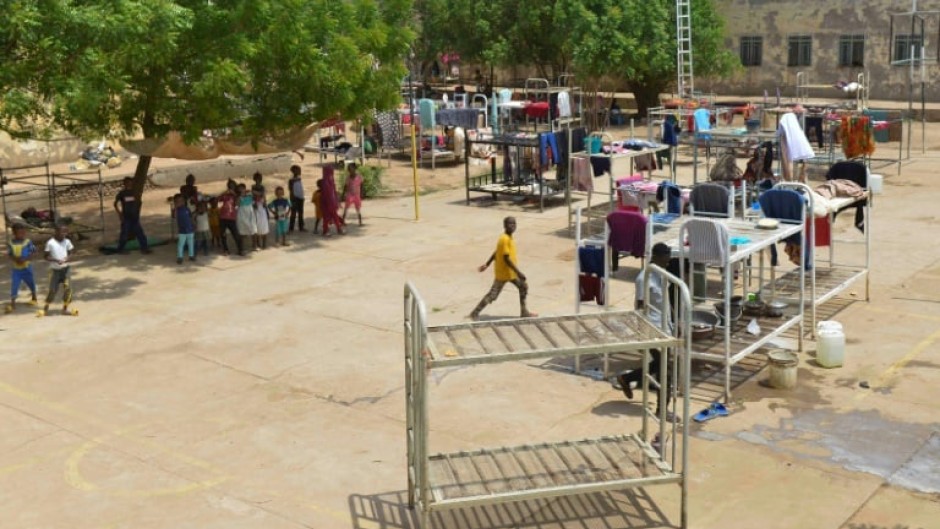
column 906, row 455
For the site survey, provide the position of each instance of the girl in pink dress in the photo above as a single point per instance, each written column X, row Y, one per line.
column 352, row 192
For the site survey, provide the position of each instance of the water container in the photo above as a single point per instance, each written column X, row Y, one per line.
column 783, row 369
column 831, row 325
column 876, row 183
column 830, row 347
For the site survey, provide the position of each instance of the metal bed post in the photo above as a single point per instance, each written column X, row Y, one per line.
column 811, row 207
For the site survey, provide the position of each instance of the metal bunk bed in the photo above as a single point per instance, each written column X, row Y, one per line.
column 523, row 181
column 827, row 277
column 622, row 164
column 542, row 470
column 803, row 88
column 733, row 343
column 30, row 179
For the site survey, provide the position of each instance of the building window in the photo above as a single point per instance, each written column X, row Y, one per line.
column 852, row 50
column 902, row 47
column 752, row 51
column 800, row 50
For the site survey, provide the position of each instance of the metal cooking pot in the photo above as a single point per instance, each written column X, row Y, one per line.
column 774, row 309
column 754, row 308
column 703, row 324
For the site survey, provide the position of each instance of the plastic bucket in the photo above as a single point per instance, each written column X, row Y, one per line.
column 876, row 183
column 593, row 144
column 783, row 369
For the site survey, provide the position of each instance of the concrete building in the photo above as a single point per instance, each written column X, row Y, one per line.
column 831, row 41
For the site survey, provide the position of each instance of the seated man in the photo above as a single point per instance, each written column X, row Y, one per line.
column 662, row 257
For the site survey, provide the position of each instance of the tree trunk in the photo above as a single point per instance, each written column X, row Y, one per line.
column 646, row 95
column 140, row 174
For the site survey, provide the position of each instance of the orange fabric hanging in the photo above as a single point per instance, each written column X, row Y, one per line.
column 858, row 137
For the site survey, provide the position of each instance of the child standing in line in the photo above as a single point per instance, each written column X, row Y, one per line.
column 185, row 228
column 280, row 209
column 352, row 192
column 317, row 195
column 215, row 226
column 261, row 214
column 202, row 228
column 21, row 251
column 246, row 219
column 59, row 255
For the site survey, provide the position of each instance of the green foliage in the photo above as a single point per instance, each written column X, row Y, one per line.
column 371, row 180
column 253, row 67
column 627, row 41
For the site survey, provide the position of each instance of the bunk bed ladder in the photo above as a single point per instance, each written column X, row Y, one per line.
column 686, row 84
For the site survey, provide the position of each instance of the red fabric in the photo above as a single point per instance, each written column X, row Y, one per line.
column 822, row 231
column 591, row 288
column 329, row 201
column 537, row 110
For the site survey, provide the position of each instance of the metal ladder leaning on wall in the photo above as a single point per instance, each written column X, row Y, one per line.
column 686, row 83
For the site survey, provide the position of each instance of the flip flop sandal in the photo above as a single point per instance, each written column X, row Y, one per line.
column 720, row 409
column 716, row 409
column 8, row 309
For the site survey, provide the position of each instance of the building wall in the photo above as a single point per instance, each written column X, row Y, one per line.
column 825, row 21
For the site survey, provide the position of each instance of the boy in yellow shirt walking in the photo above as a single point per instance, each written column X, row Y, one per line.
column 505, row 271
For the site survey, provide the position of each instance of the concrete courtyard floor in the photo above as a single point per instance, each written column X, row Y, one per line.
column 267, row 392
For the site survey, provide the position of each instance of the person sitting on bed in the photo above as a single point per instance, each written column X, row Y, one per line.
column 662, row 257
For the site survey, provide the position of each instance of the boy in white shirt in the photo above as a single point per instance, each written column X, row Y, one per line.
column 58, row 254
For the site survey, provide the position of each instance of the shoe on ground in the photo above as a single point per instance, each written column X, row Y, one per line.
column 148, row 251
column 193, row 259
column 179, row 260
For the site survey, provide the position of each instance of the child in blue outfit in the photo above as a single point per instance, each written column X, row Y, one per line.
column 184, row 222
column 280, row 208
column 21, row 251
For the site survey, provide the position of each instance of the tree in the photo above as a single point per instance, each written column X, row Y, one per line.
column 254, row 68
column 626, row 42
column 636, row 40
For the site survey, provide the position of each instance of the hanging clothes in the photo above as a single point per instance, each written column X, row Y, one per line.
column 797, row 145
column 854, row 172
column 582, row 177
column 601, row 164
column 671, row 131
column 548, row 148
column 672, row 195
column 858, row 136
column 785, row 204
column 703, row 122
column 427, row 114
column 627, row 234
column 564, row 105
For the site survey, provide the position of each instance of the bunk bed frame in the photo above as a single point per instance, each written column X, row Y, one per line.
column 39, row 176
column 804, row 87
column 492, row 182
column 543, row 470
column 722, row 348
column 834, row 277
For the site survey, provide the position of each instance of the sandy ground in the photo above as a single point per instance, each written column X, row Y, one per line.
column 267, row 391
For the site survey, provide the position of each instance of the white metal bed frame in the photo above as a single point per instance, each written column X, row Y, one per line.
column 543, row 470
column 803, row 88
column 838, row 276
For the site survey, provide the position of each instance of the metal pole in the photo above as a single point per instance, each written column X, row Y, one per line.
column 414, row 147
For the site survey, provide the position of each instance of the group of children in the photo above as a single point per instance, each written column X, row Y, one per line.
column 245, row 212
column 57, row 252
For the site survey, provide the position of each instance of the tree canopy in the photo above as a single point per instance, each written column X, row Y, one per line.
column 631, row 42
column 253, row 67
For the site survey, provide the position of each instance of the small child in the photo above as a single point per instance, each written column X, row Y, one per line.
column 202, row 227
column 317, row 195
column 246, row 220
column 280, row 209
column 185, row 228
column 21, row 251
column 352, row 192
column 59, row 253
column 261, row 215
column 214, row 225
